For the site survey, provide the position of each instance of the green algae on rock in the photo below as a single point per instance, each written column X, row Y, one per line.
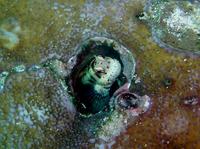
column 175, row 25
column 9, row 31
column 27, row 110
column 3, row 77
column 5, row 74
column 108, row 61
column 55, row 27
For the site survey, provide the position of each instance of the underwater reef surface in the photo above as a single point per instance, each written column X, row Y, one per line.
column 175, row 25
column 35, row 110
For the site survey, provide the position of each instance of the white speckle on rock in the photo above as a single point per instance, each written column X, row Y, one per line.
column 180, row 21
column 175, row 123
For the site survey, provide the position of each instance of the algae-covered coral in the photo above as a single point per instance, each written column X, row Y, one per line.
column 175, row 24
column 34, row 110
column 9, row 30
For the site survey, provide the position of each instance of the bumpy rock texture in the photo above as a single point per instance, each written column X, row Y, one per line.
column 33, row 105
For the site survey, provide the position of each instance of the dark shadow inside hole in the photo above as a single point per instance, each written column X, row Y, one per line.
column 139, row 15
column 128, row 101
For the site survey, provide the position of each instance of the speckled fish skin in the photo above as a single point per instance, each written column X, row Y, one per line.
column 97, row 80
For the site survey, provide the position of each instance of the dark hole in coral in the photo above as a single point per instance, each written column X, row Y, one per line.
column 86, row 100
column 191, row 100
column 167, row 82
column 139, row 15
column 127, row 101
